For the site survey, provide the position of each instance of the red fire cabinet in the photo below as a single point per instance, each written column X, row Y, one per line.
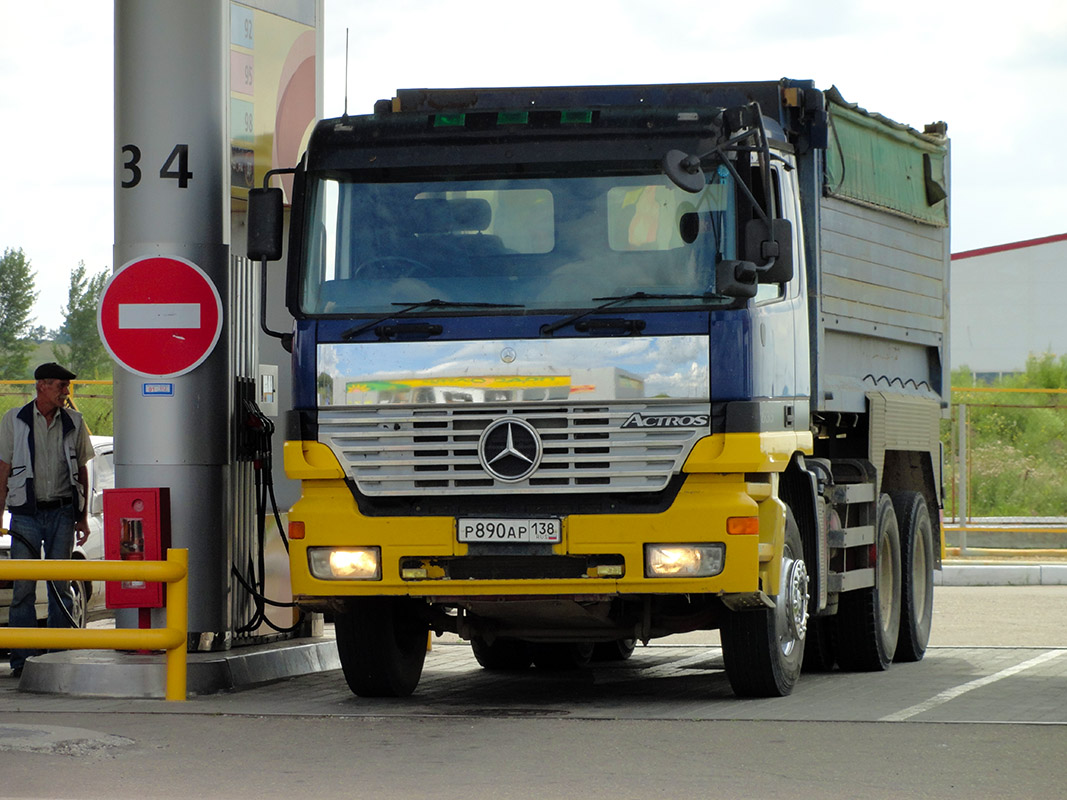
column 136, row 528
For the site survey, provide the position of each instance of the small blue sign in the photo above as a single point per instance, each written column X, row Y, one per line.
column 157, row 389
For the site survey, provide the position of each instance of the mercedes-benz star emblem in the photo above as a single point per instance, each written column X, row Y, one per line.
column 510, row 449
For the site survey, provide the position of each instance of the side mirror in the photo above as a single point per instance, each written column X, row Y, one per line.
column 736, row 278
column 771, row 251
column 265, row 224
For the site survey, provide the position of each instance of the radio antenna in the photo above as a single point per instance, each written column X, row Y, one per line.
column 346, row 74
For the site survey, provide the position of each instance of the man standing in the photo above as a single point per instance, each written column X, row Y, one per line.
column 44, row 449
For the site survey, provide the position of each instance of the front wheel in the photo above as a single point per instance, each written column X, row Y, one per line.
column 763, row 650
column 381, row 642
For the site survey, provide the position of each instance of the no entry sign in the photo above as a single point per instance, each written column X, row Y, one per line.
column 160, row 316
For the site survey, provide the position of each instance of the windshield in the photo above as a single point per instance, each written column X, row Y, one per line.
column 540, row 243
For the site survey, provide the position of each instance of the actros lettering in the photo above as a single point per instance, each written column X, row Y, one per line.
column 639, row 420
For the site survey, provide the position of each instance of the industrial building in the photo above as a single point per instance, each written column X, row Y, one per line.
column 1008, row 304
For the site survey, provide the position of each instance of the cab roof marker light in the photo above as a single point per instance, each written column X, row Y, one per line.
column 513, row 118
column 449, row 120
column 576, row 117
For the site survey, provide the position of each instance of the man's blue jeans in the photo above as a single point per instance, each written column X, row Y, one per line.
column 54, row 530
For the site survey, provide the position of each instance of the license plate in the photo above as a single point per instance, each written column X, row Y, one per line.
column 497, row 529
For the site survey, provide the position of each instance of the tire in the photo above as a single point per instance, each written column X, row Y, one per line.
column 763, row 650
column 381, row 642
column 562, row 655
column 503, row 655
column 917, row 575
column 820, row 653
column 619, row 650
column 868, row 620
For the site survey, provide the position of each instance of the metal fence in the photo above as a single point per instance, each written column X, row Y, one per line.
column 1008, row 453
column 173, row 638
column 94, row 399
column 1006, row 469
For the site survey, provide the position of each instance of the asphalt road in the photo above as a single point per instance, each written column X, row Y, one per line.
column 983, row 716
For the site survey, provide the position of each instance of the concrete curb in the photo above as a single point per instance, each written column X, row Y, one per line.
column 1005, row 574
column 107, row 673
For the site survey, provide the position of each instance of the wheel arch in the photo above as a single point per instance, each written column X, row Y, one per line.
column 798, row 488
column 914, row 471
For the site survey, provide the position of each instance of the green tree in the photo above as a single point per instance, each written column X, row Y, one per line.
column 325, row 387
column 17, row 296
column 78, row 345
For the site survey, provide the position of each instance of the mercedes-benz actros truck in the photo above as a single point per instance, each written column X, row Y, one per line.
column 576, row 368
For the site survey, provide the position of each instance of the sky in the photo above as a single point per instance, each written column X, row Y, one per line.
column 994, row 72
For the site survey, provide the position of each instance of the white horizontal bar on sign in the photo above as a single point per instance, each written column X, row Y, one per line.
column 144, row 316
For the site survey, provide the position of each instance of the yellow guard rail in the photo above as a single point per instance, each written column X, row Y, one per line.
column 173, row 638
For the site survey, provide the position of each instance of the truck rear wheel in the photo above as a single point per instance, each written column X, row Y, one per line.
column 619, row 650
column 503, row 655
column 763, row 650
column 381, row 642
column 819, row 650
column 917, row 575
column 868, row 620
column 562, row 655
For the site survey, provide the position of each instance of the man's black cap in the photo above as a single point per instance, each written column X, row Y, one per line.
column 52, row 371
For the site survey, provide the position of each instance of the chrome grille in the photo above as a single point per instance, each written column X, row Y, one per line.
column 410, row 451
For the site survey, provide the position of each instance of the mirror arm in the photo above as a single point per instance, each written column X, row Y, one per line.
column 685, row 172
column 762, row 149
column 286, row 339
column 765, row 168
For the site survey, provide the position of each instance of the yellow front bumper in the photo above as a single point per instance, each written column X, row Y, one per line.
column 715, row 491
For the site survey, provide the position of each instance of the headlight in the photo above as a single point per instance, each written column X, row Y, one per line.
column 345, row 563
column 684, row 560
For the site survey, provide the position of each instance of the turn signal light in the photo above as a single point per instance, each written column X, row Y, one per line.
column 743, row 526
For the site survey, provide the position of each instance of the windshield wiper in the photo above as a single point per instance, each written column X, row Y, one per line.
column 408, row 307
column 608, row 302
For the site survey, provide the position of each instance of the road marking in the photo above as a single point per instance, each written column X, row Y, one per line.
column 963, row 688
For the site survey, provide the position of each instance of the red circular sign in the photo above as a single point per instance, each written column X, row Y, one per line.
column 160, row 317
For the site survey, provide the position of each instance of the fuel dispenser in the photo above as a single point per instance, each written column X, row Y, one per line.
column 136, row 528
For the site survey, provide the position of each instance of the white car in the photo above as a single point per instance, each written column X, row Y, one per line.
column 88, row 597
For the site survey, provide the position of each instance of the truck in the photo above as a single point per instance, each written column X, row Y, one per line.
column 580, row 367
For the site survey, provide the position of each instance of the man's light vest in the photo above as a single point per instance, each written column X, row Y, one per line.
column 21, row 498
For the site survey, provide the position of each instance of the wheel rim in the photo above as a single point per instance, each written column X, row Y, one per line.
column 793, row 605
column 919, row 573
column 885, row 586
column 80, row 603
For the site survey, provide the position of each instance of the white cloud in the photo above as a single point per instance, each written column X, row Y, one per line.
column 994, row 74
